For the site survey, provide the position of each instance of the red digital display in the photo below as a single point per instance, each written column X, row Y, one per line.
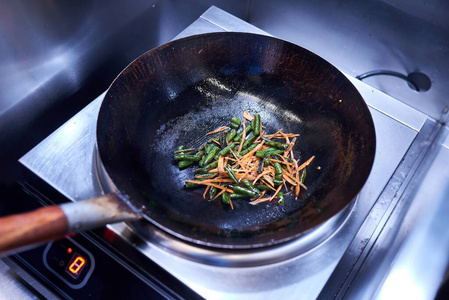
column 76, row 265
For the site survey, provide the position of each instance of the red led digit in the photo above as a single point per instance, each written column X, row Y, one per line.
column 77, row 264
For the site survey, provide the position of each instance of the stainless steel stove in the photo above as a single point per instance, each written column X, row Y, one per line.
column 335, row 260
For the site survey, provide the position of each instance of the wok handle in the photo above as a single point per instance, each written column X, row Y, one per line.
column 42, row 225
column 54, row 222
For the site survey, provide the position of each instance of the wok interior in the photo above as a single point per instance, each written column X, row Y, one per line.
column 174, row 94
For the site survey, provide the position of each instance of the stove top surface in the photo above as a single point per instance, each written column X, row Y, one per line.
column 66, row 162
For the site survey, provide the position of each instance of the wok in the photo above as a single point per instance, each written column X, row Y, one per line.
column 174, row 94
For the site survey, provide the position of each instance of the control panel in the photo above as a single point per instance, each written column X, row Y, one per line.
column 69, row 261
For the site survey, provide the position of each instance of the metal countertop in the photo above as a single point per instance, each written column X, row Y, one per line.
column 397, row 128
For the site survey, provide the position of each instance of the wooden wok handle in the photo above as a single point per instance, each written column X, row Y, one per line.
column 42, row 225
column 53, row 222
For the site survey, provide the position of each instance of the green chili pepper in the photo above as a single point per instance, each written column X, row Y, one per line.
column 225, row 198
column 209, row 157
column 262, row 187
column 183, row 156
column 186, row 151
column 207, row 168
column 227, row 149
column 257, row 125
column 303, row 175
column 212, row 192
column 266, row 160
column 277, row 168
column 238, row 137
column 237, row 196
column 201, row 162
column 203, row 146
column 278, row 145
column 249, row 185
column 248, row 141
column 268, row 152
column 236, row 121
column 261, row 153
column 234, row 126
column 244, row 152
column 184, row 163
column 231, row 135
column 206, row 175
column 244, row 191
column 281, row 200
column 231, row 174
column 209, row 148
column 262, row 163
column 278, row 182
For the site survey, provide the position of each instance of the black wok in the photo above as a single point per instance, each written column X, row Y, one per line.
column 173, row 95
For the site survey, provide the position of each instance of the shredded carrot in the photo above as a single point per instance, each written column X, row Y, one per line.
column 268, row 184
column 261, row 175
column 205, row 191
column 244, row 175
column 243, row 138
column 260, row 197
column 211, row 184
column 269, row 198
column 268, row 179
column 247, row 116
column 249, row 166
column 257, row 140
column 219, row 129
column 212, row 180
column 277, row 135
column 215, row 141
column 219, row 194
column 260, row 200
column 306, row 164
column 277, row 191
column 240, row 177
column 298, row 187
column 289, row 178
column 283, row 161
column 220, row 167
column 235, row 156
column 292, row 143
column 230, row 203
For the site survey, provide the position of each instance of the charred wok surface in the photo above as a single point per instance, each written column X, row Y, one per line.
column 174, row 94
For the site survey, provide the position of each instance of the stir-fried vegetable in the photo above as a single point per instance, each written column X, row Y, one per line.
column 246, row 163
